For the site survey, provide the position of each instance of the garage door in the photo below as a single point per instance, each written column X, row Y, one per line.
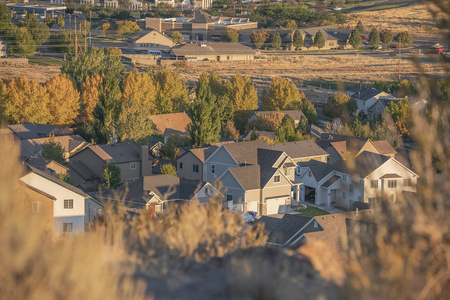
column 276, row 206
column 252, row 206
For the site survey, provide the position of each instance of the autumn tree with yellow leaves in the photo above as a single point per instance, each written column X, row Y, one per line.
column 242, row 93
column 64, row 100
column 141, row 89
column 89, row 96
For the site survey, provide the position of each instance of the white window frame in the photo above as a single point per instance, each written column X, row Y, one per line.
column 392, row 184
column 68, row 204
column 36, row 206
column 67, row 228
column 374, row 184
column 277, row 178
column 344, row 177
column 132, row 165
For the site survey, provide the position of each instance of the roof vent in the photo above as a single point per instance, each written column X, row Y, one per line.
column 323, row 218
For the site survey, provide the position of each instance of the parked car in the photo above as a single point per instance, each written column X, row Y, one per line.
column 364, row 37
column 337, row 8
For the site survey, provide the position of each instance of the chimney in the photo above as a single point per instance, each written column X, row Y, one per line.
column 146, row 164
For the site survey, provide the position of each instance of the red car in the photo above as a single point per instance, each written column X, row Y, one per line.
column 364, row 37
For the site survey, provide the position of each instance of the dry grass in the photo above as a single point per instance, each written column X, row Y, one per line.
column 39, row 73
column 415, row 18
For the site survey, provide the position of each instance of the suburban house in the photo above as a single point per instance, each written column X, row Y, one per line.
column 132, row 161
column 201, row 26
column 264, row 185
column 213, row 52
column 26, row 131
column 301, row 151
column 295, row 114
column 190, row 164
column 50, row 167
column 171, row 124
column 151, row 39
column 368, row 177
column 73, row 210
column 288, row 230
column 367, row 96
column 40, row 204
column 155, row 193
column 379, row 107
column 82, row 177
column 71, row 144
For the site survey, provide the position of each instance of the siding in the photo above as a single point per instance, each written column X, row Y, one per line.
column 222, row 161
column 188, row 160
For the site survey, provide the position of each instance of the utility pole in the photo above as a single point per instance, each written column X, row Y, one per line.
column 90, row 35
column 76, row 44
column 399, row 56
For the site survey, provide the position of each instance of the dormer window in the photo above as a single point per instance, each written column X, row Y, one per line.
column 277, row 178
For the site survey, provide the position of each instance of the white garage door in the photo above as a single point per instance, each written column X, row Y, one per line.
column 276, row 206
column 252, row 206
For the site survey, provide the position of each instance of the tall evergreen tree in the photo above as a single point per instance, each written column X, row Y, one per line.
column 171, row 92
column 39, row 31
column 205, row 127
column 360, row 27
column 276, row 40
column 297, row 39
column 374, row 38
column 319, row 40
column 386, row 36
column 355, row 39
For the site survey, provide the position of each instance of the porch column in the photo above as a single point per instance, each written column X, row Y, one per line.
column 297, row 192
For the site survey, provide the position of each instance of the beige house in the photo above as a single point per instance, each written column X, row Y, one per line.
column 71, row 144
column 40, row 204
column 201, row 26
column 132, row 161
column 190, row 164
column 151, row 39
column 213, row 52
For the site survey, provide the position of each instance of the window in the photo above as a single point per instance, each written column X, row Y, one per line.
column 344, row 195
column 36, row 207
column 213, row 169
column 229, row 197
column 132, row 165
column 351, row 188
column 374, row 184
column 277, row 178
column 392, row 184
column 181, row 165
column 288, row 172
column 309, row 174
column 206, row 190
column 68, row 203
column 344, row 177
column 67, row 227
column 195, row 168
column 407, row 182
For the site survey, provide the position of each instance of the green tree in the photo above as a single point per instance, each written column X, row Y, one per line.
column 291, row 24
column 60, row 21
column 384, row 131
column 386, row 36
column 254, row 135
column 405, row 38
column 70, row 6
column 49, row 21
column 127, row 27
column 39, row 31
column 303, row 126
column 62, row 42
column 111, row 176
column 231, row 35
column 298, row 39
column 22, row 42
column 177, row 37
column 400, row 112
column 133, row 123
column 374, row 38
column 205, row 127
column 309, row 111
column 229, row 131
column 242, row 93
column 64, row 100
column 96, row 61
column 65, row 177
column 355, row 39
column 259, row 37
column 104, row 28
column 168, row 169
column 5, row 17
column 287, row 132
column 340, row 105
column 173, row 145
column 276, row 41
column 53, row 150
column 171, row 92
column 360, row 27
column 319, row 40
column 282, row 95
column 216, row 83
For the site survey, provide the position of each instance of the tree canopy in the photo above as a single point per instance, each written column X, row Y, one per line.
column 355, row 38
column 231, row 35
column 374, row 38
column 53, row 150
column 282, row 95
column 319, row 40
column 242, row 92
column 259, row 37
column 111, row 176
column 298, row 39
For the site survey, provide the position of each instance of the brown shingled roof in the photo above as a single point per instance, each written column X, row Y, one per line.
column 176, row 123
column 384, row 147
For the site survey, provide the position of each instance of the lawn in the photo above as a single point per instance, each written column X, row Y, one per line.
column 44, row 61
column 311, row 211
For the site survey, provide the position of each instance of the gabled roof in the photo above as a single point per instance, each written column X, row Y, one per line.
column 170, row 187
column 53, row 179
column 343, row 144
column 69, row 143
column 81, row 169
column 168, row 124
column 248, row 176
column 335, row 226
column 364, row 164
column 384, row 147
column 331, row 181
column 117, row 153
column 136, row 37
column 188, row 50
column 318, row 169
column 295, row 114
column 27, row 130
column 40, row 192
column 299, row 149
column 201, row 17
column 281, row 230
column 366, row 93
column 41, row 163
column 245, row 153
column 203, row 153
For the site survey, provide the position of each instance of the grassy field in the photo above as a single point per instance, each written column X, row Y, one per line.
column 44, row 61
column 311, row 211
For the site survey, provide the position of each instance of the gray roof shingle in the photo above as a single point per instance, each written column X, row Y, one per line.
column 281, row 230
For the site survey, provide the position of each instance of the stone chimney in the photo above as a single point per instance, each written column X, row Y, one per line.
column 146, row 164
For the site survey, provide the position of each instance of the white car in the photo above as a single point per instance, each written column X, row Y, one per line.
column 337, row 8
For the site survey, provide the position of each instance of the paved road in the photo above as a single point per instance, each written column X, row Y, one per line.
column 375, row 4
